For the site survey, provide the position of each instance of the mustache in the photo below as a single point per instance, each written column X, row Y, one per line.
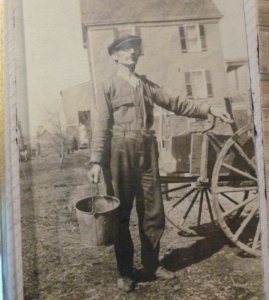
column 134, row 56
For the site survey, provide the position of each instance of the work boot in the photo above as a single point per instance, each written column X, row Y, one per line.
column 143, row 275
column 162, row 273
column 126, row 284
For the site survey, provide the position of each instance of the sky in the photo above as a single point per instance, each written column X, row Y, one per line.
column 232, row 28
column 56, row 59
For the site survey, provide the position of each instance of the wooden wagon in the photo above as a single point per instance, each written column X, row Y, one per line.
column 223, row 192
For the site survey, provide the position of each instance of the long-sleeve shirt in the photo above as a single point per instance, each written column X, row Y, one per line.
column 126, row 107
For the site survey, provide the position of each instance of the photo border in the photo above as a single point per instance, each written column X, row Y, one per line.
column 12, row 38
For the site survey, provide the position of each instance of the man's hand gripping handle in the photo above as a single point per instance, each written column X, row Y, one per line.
column 94, row 173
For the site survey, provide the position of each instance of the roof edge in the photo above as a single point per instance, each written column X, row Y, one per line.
column 147, row 22
column 86, row 25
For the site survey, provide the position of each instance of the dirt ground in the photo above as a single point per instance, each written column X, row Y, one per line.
column 58, row 266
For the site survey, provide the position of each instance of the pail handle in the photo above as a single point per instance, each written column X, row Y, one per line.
column 93, row 198
column 97, row 189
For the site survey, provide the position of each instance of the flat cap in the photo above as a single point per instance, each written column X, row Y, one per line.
column 123, row 41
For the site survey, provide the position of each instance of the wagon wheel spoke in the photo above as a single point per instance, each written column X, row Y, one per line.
column 177, row 221
column 235, row 208
column 221, row 207
column 219, row 204
column 241, row 152
column 229, row 198
column 181, row 213
column 238, row 171
column 233, row 201
column 209, row 207
column 189, row 209
column 246, row 194
column 256, row 237
column 176, row 189
column 214, row 142
column 240, row 210
column 200, row 208
column 231, row 189
column 182, row 198
column 245, row 223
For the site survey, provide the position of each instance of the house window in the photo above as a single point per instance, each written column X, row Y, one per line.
column 192, row 38
column 120, row 31
column 199, row 84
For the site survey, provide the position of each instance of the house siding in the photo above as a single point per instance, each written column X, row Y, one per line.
column 163, row 61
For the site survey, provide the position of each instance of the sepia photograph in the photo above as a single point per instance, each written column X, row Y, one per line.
column 138, row 176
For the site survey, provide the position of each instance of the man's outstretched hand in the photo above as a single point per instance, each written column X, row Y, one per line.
column 222, row 115
column 94, row 173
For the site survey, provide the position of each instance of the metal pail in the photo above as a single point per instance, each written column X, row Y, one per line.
column 98, row 219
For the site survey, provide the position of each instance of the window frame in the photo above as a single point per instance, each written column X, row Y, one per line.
column 200, row 34
column 207, row 82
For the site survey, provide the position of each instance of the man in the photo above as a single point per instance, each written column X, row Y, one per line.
column 125, row 109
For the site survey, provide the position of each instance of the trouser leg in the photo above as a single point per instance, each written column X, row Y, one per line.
column 149, row 252
column 123, row 185
column 150, row 208
column 124, row 248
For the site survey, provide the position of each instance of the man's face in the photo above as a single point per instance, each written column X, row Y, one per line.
column 128, row 54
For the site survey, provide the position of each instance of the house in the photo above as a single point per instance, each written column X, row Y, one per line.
column 181, row 51
column 76, row 103
column 238, row 76
column 239, row 89
column 43, row 142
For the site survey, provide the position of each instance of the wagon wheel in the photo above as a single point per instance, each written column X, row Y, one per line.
column 191, row 213
column 235, row 194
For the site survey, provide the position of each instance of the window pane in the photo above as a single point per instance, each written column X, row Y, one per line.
column 199, row 88
column 193, row 38
column 191, row 31
column 188, row 84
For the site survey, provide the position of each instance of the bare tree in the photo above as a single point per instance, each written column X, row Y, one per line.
column 58, row 137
